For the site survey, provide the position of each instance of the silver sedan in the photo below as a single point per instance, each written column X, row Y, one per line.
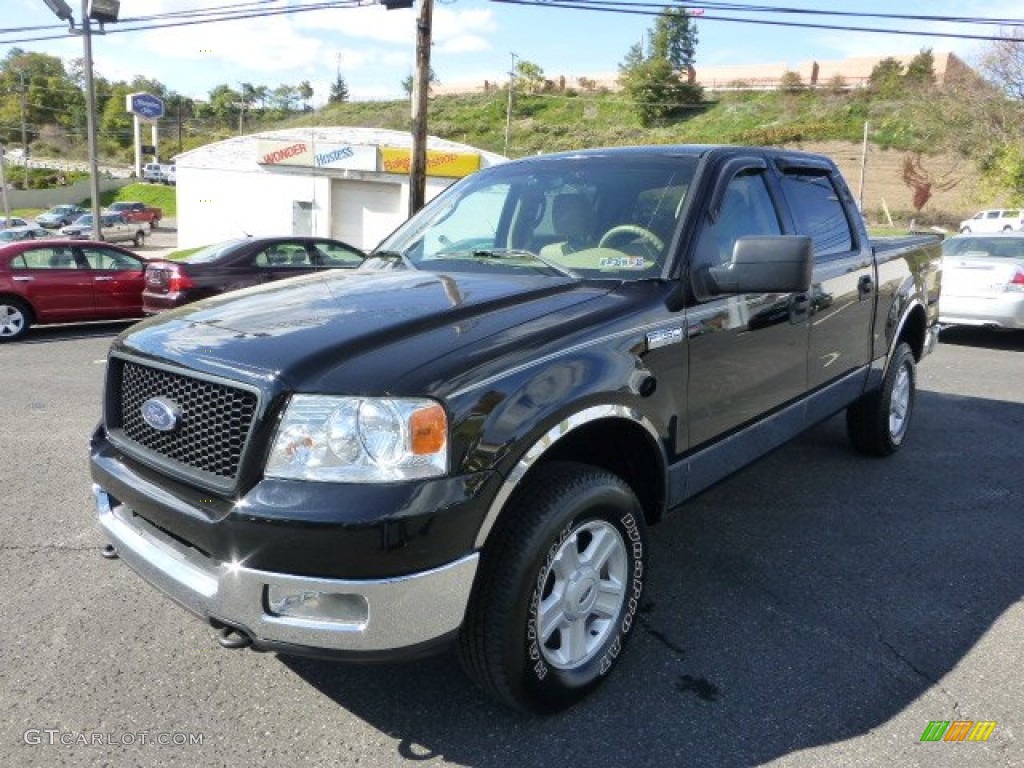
column 983, row 281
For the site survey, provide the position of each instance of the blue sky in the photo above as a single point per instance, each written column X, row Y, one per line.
column 473, row 41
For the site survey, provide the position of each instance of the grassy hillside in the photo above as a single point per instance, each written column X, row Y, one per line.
column 822, row 121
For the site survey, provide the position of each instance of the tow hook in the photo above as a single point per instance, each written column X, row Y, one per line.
column 109, row 552
column 229, row 637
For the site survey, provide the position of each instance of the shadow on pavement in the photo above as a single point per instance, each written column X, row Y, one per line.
column 806, row 600
column 988, row 338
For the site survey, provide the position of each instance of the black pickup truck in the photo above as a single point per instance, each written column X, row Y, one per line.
column 467, row 439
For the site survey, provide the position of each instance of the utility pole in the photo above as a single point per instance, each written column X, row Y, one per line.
column 421, row 89
column 508, row 110
column 90, row 121
column 3, row 185
column 24, row 131
column 863, row 167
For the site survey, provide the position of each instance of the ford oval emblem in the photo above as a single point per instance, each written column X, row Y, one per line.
column 161, row 414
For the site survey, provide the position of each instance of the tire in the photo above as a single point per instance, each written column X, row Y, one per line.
column 139, row 239
column 878, row 423
column 15, row 319
column 965, row 231
column 544, row 627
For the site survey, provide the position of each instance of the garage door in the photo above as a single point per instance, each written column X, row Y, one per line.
column 365, row 212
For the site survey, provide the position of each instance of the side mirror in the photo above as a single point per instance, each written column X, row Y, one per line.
column 762, row 264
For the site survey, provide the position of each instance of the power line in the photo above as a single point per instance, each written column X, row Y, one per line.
column 652, row 9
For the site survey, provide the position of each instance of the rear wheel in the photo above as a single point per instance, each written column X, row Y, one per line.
column 559, row 586
column 139, row 239
column 878, row 422
column 15, row 319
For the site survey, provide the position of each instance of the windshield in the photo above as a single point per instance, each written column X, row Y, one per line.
column 84, row 220
column 998, row 247
column 211, row 252
column 588, row 216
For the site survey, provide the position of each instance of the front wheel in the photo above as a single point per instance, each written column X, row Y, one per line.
column 139, row 239
column 879, row 421
column 559, row 586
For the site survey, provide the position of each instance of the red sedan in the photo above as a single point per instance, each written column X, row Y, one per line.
column 65, row 281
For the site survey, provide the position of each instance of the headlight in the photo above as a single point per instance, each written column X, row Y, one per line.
column 360, row 440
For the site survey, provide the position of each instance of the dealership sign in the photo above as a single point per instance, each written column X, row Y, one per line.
column 307, row 154
column 145, row 106
column 448, row 164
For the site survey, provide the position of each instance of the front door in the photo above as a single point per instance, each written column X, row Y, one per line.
column 57, row 285
column 748, row 353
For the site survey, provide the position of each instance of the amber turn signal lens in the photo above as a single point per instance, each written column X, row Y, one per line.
column 428, row 430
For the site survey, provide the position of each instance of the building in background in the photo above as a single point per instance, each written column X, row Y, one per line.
column 348, row 183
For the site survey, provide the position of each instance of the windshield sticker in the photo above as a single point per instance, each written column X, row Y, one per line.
column 623, row 262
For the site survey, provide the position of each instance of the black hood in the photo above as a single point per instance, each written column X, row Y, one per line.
column 311, row 331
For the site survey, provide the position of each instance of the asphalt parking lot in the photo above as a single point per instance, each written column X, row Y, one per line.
column 816, row 609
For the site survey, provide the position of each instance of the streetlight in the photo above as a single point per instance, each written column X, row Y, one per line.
column 102, row 11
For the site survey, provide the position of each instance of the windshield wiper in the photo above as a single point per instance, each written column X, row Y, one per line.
column 392, row 256
column 512, row 253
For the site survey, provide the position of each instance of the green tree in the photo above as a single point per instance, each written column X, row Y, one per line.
column 886, row 78
column 529, row 77
column 653, row 82
column 674, row 38
column 339, row 91
column 920, row 72
column 431, row 81
column 305, row 92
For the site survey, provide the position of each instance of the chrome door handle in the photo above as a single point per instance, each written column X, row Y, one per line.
column 102, row 279
column 23, row 279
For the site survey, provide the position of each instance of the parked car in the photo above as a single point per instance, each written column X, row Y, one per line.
column 66, row 281
column 14, row 234
column 237, row 264
column 170, row 175
column 983, row 280
column 995, row 220
column 60, row 216
column 136, row 212
column 152, row 172
column 113, row 228
column 13, row 221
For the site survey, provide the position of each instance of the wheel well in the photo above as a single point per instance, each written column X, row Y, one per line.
column 623, row 448
column 15, row 299
column 913, row 331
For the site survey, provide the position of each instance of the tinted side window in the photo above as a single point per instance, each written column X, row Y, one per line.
column 333, row 255
column 818, row 212
column 747, row 209
column 107, row 259
column 46, row 258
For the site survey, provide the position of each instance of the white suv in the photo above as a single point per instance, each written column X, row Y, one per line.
column 152, row 172
column 996, row 220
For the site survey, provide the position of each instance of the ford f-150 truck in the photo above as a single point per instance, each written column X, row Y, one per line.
column 137, row 213
column 468, row 439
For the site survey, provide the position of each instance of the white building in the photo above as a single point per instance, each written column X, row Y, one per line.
column 351, row 184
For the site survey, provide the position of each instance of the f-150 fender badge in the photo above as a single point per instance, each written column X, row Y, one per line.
column 160, row 414
column 664, row 337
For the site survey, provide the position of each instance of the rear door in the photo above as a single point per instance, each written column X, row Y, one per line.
column 55, row 282
column 118, row 280
column 842, row 298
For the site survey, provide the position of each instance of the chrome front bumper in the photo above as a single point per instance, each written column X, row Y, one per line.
column 402, row 612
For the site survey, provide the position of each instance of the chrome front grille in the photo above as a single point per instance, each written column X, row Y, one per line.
column 215, row 422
